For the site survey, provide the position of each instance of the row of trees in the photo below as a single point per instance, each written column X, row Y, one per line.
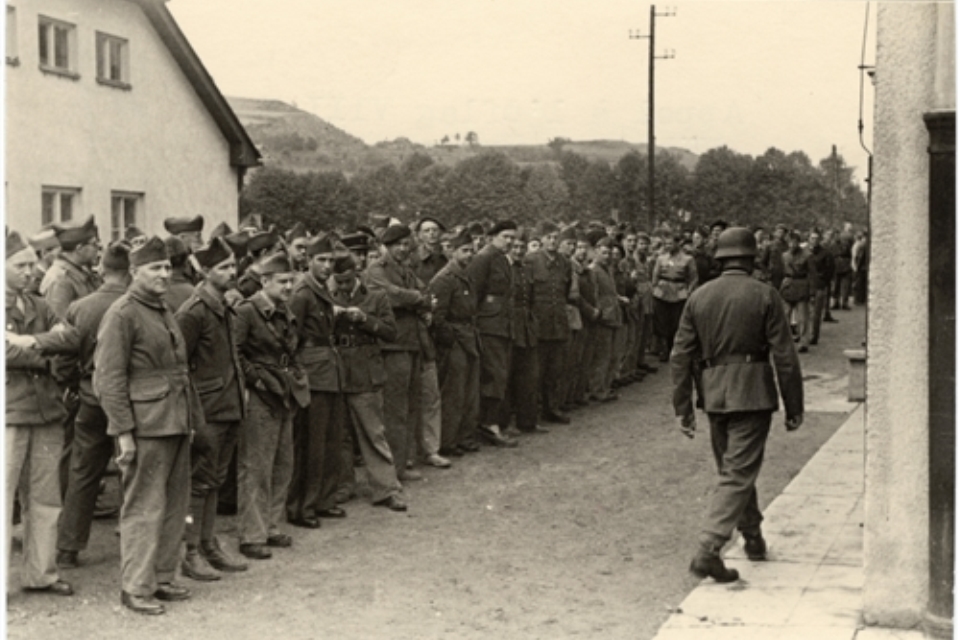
column 767, row 189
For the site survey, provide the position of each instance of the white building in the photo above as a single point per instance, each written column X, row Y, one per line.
column 110, row 112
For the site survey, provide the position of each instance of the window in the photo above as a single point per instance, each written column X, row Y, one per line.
column 59, row 204
column 13, row 57
column 58, row 44
column 112, row 61
column 124, row 212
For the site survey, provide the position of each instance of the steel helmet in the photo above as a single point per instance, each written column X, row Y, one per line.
column 736, row 242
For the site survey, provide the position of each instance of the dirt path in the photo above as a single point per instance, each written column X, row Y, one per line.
column 582, row 532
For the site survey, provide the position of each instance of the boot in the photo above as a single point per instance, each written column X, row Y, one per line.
column 195, row 566
column 218, row 559
column 755, row 546
column 707, row 563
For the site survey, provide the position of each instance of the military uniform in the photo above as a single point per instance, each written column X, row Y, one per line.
column 427, row 263
column 66, row 281
column 735, row 324
column 317, row 429
column 522, row 382
column 584, row 345
column 364, row 376
column 458, row 353
column 266, row 339
column 141, row 376
column 609, row 320
column 674, row 277
column 180, row 290
column 552, row 283
column 492, row 279
column 796, row 291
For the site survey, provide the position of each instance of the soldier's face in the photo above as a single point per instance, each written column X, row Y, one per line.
column 89, row 253
column 643, row 245
column 463, row 254
column 400, row 250
column 518, row 249
column 566, row 247
column 299, row 248
column 429, row 233
column 222, row 276
column 321, row 266
column 580, row 253
column 630, row 243
column 814, row 240
column 19, row 269
column 602, row 255
column 549, row 242
column 153, row 277
column 277, row 287
column 503, row 239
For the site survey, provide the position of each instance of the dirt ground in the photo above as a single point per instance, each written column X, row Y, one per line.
column 583, row 532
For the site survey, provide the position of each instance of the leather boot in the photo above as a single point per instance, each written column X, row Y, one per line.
column 707, row 563
column 755, row 546
column 218, row 558
column 196, row 567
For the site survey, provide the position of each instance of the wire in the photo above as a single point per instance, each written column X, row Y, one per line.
column 863, row 69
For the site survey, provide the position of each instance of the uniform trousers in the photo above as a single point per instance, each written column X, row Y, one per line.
column 581, row 362
column 571, row 367
column 399, row 402
column 551, row 355
column 430, row 422
column 621, row 336
column 495, row 354
column 666, row 320
column 210, row 454
column 821, row 304
column 459, row 395
column 599, row 386
column 264, row 469
column 156, row 498
column 92, row 449
column 738, row 441
column 800, row 313
column 317, row 445
column 66, row 454
column 521, row 400
column 841, row 289
column 366, row 412
column 628, row 361
column 33, row 455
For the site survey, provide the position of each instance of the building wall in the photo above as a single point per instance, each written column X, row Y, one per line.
column 896, row 502
column 155, row 138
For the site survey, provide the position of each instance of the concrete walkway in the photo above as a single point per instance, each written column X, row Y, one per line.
column 811, row 585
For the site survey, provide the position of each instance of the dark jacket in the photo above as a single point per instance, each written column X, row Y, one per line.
column 587, row 284
column 492, row 279
column 358, row 342
column 427, row 264
column 266, row 339
column 454, row 319
column 32, row 396
column 141, row 374
column 822, row 266
column 180, row 290
column 525, row 329
column 312, row 304
column 551, row 278
column 607, row 302
column 736, row 315
column 85, row 316
column 207, row 324
column 796, row 285
column 65, row 282
column 404, row 291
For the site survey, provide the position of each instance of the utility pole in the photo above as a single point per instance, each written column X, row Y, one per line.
column 651, row 138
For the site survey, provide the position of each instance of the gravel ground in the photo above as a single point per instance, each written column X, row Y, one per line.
column 585, row 531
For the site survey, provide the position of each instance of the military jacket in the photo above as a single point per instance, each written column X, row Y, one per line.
column 492, row 279
column 32, row 395
column 65, row 282
column 674, row 276
column 525, row 327
column 427, row 264
column 405, row 294
column 312, row 304
column 723, row 322
column 141, row 373
column 179, row 291
column 358, row 343
column 454, row 319
column 796, row 284
column 587, row 285
column 85, row 316
column 551, row 278
column 207, row 324
column 607, row 302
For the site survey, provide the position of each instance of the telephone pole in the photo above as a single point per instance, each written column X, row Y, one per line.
column 651, row 138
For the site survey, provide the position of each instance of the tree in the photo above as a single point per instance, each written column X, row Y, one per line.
column 427, row 191
column 472, row 138
column 484, row 186
column 572, row 168
column 721, row 185
column 414, row 164
column 545, row 193
column 597, row 191
column 632, row 188
column 382, row 190
column 847, row 200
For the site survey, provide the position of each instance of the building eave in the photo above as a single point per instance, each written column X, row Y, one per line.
column 243, row 153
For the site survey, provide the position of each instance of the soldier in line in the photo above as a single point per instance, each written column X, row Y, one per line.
column 362, row 319
column 566, row 247
column 207, row 323
column 674, row 278
column 34, row 415
column 492, row 278
column 188, row 230
column 181, row 284
column 141, row 375
column 428, row 259
column 266, row 339
column 609, row 320
column 317, row 433
column 795, row 288
column 734, row 325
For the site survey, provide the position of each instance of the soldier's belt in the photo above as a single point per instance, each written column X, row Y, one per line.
column 282, row 362
column 346, row 341
column 736, row 358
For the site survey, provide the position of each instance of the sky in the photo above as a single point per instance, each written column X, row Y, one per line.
column 750, row 74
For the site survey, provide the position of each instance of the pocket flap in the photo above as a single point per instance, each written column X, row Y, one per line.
column 148, row 389
column 209, row 385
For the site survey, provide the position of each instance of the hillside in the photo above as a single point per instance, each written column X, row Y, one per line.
column 296, row 140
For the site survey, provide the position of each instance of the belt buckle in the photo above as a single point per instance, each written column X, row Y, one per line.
column 343, row 341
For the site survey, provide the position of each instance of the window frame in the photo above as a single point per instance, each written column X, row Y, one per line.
column 125, row 197
column 12, row 44
column 56, row 211
column 48, row 41
column 104, row 60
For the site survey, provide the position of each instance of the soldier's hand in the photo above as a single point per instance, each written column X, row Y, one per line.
column 128, row 448
column 22, row 341
column 792, row 424
column 687, row 424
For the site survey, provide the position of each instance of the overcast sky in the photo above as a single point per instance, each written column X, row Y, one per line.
column 750, row 75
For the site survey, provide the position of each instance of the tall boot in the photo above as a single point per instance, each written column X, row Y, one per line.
column 707, row 562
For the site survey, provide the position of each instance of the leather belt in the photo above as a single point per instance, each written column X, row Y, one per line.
column 347, row 341
column 735, row 358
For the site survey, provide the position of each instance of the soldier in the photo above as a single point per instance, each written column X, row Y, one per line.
column 92, row 446
column 181, row 286
column 822, row 266
column 188, row 230
column 567, row 246
column 674, row 278
column 207, row 324
column 362, row 318
column 458, row 349
column 71, row 275
column 266, row 339
column 492, row 278
column 47, row 246
column 141, row 375
column 610, row 318
column 734, row 324
column 584, row 344
column 402, row 357
column 296, row 239
column 34, row 415
column 429, row 258
column 553, row 285
column 317, row 430
column 795, row 288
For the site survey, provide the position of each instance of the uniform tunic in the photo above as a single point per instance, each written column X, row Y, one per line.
column 552, row 283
